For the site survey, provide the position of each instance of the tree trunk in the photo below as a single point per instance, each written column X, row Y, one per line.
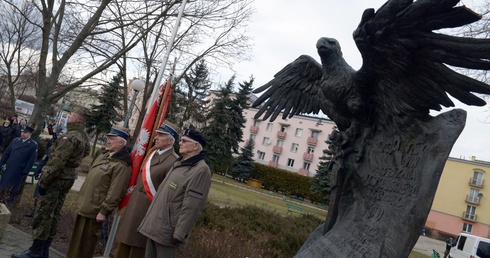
column 385, row 186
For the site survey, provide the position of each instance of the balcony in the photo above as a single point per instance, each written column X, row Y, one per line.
column 476, row 183
column 469, row 216
column 312, row 141
column 281, row 135
column 273, row 164
column 308, row 156
column 254, row 129
column 277, row 149
column 473, row 199
column 303, row 171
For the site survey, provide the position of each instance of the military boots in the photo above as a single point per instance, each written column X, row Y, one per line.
column 35, row 251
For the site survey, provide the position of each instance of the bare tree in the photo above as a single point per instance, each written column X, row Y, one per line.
column 82, row 39
column 214, row 30
column 18, row 45
column 480, row 29
column 67, row 28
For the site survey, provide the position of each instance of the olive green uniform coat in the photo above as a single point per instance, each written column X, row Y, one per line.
column 101, row 192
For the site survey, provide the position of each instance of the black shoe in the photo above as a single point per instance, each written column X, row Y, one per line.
column 28, row 254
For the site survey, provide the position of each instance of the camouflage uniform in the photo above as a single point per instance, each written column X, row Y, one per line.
column 58, row 177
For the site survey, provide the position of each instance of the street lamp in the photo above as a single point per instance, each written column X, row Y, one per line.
column 137, row 85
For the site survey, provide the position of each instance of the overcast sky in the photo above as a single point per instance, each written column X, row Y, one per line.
column 285, row 29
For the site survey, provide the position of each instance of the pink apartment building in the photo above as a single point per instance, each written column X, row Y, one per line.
column 295, row 144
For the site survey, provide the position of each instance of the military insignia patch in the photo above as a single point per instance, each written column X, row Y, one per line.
column 173, row 185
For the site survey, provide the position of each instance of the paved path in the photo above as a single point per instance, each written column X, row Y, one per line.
column 15, row 241
column 425, row 246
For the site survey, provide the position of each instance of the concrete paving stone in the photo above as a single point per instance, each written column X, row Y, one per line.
column 16, row 241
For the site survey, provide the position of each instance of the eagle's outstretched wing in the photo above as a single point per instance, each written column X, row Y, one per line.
column 409, row 63
column 294, row 90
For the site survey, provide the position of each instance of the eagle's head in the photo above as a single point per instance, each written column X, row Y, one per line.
column 328, row 49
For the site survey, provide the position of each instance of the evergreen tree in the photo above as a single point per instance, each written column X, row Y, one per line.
column 225, row 121
column 104, row 115
column 321, row 182
column 189, row 102
column 216, row 133
column 243, row 165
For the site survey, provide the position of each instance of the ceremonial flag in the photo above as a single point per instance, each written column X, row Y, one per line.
column 154, row 118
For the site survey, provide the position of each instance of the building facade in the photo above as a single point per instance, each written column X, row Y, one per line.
column 462, row 200
column 295, row 144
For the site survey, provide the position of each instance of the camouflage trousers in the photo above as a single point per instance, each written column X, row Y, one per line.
column 48, row 210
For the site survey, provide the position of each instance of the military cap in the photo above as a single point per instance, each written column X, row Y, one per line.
column 118, row 132
column 27, row 129
column 80, row 111
column 196, row 136
column 167, row 129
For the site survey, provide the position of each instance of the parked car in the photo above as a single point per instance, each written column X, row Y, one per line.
column 470, row 246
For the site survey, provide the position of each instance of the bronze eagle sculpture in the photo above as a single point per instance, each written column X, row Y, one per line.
column 388, row 151
column 404, row 70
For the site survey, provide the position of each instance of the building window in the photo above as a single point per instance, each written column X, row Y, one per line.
column 470, row 212
column 256, row 122
column 310, row 150
column 473, row 196
column 290, row 163
column 252, row 137
column 314, row 134
column 467, row 227
column 298, row 132
column 477, row 178
column 261, row 155
column 269, row 127
column 283, row 128
column 294, row 147
column 306, row 165
column 266, row 141
column 280, row 143
column 275, row 158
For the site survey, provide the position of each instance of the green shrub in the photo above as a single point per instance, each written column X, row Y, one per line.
column 247, row 232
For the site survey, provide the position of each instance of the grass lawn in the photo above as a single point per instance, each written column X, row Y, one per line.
column 229, row 195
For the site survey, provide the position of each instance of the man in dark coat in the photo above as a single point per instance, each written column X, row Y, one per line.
column 6, row 132
column 18, row 159
column 154, row 169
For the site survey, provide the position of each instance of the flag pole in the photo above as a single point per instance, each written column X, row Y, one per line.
column 117, row 216
column 167, row 53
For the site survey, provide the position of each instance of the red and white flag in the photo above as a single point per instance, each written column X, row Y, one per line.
column 145, row 136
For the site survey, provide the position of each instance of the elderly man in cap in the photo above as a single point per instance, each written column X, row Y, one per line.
column 18, row 159
column 101, row 193
column 179, row 200
column 154, row 169
column 58, row 177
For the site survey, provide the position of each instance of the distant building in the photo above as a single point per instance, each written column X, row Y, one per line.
column 295, row 144
column 462, row 200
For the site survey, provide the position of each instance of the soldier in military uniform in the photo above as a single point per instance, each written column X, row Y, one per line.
column 100, row 194
column 58, row 177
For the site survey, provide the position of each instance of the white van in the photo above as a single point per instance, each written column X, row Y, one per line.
column 470, row 246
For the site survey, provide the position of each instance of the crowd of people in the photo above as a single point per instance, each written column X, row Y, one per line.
column 170, row 192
